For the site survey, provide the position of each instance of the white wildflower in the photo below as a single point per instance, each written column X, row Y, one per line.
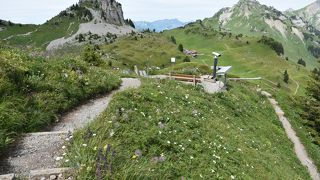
column 59, row 158
column 111, row 133
column 187, row 96
column 84, row 145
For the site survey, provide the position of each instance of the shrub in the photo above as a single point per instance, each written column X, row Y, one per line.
column 187, row 59
column 276, row 46
column 180, row 48
column 91, row 56
column 286, row 77
column 311, row 106
column 130, row 23
column 302, row 62
column 315, row 51
column 173, row 39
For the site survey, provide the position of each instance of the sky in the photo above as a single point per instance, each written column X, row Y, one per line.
column 39, row 11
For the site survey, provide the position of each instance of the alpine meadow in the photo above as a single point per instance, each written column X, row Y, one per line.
column 93, row 93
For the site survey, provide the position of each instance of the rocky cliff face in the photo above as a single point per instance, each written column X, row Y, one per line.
column 111, row 10
column 311, row 14
column 106, row 24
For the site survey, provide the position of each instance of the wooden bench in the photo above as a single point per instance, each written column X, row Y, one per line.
column 186, row 78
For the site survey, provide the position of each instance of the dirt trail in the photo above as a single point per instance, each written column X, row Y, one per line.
column 298, row 146
column 44, row 150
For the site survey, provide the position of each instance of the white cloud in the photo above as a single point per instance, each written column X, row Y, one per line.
column 38, row 11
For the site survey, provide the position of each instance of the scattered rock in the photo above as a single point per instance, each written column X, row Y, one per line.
column 52, row 177
column 162, row 159
column 158, row 159
column 7, row 177
column 155, row 159
column 138, row 153
column 264, row 93
column 161, row 125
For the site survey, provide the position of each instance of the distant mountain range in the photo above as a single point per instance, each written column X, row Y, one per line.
column 159, row 25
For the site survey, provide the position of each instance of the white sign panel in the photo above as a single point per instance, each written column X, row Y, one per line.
column 173, row 60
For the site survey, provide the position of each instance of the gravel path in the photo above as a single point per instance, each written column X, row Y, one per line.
column 44, row 150
column 298, row 146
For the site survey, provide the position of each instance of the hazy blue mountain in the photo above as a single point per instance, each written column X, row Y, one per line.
column 159, row 25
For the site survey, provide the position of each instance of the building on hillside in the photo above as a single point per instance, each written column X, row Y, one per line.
column 192, row 53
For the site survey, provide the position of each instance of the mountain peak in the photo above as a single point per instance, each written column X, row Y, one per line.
column 111, row 10
column 248, row 2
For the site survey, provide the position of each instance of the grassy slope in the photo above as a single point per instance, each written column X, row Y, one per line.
column 293, row 46
column 248, row 60
column 151, row 50
column 56, row 28
column 33, row 91
column 211, row 136
column 257, row 60
column 291, row 107
column 16, row 29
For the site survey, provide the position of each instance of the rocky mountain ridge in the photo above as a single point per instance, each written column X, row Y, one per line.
column 106, row 23
column 310, row 14
column 249, row 17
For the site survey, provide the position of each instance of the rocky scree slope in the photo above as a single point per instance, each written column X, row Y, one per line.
column 107, row 23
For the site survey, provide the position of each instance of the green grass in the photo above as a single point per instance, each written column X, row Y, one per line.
column 256, row 26
column 150, row 50
column 292, row 107
column 256, row 60
column 247, row 60
column 16, row 29
column 205, row 136
column 42, row 35
column 34, row 91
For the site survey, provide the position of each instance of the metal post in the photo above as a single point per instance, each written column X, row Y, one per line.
column 225, row 79
column 214, row 75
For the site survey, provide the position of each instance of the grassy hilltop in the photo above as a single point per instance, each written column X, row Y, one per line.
column 169, row 130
